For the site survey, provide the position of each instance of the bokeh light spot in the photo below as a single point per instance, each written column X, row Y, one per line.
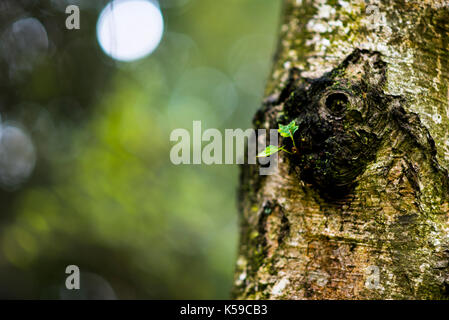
column 23, row 45
column 94, row 287
column 128, row 30
column 17, row 156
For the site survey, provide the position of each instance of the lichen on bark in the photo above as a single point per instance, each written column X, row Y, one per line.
column 362, row 210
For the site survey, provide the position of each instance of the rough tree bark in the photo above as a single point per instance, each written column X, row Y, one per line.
column 361, row 212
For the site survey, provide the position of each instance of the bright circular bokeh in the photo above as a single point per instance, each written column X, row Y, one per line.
column 128, row 30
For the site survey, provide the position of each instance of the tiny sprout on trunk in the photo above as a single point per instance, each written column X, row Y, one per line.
column 287, row 132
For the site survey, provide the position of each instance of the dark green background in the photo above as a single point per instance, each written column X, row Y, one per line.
column 104, row 195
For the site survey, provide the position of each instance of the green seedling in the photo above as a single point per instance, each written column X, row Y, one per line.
column 287, row 132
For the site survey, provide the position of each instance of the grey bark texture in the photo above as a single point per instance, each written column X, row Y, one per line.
column 361, row 210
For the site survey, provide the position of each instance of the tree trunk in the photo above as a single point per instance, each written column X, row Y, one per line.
column 360, row 211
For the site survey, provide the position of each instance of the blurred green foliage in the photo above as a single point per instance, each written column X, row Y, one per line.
column 104, row 194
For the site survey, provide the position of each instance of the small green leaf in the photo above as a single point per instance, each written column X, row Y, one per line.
column 288, row 130
column 268, row 151
column 284, row 131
